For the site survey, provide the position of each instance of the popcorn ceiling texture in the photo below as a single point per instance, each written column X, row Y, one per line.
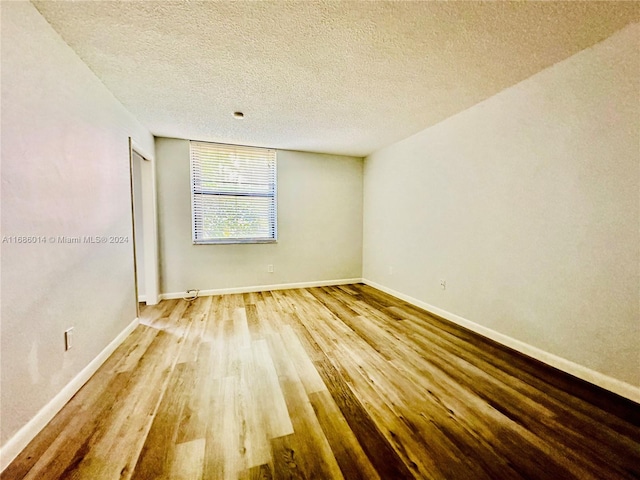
column 336, row 77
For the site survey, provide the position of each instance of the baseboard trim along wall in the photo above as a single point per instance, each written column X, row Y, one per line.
column 600, row 379
column 10, row 450
column 262, row 288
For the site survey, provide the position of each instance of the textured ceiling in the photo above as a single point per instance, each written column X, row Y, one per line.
column 336, row 77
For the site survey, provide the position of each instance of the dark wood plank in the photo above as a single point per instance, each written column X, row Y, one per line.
column 384, row 458
column 287, row 459
column 354, row 463
column 159, row 447
column 260, row 472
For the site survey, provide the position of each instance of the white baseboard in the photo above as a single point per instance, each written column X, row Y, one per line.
column 10, row 450
column 142, row 298
column 263, row 288
column 600, row 379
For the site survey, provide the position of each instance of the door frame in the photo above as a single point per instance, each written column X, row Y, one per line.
column 149, row 223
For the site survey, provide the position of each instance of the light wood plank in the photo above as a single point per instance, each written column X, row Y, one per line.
column 188, row 461
column 273, row 406
column 307, row 372
column 314, row 447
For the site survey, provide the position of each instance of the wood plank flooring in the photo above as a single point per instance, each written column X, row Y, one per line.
column 327, row 383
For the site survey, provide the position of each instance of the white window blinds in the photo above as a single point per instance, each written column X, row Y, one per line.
column 233, row 193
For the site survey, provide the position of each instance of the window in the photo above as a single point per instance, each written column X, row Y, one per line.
column 233, row 193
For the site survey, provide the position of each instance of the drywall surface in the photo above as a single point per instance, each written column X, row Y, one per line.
column 319, row 225
column 65, row 173
column 527, row 204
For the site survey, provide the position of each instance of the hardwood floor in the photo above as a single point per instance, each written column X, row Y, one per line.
column 323, row 383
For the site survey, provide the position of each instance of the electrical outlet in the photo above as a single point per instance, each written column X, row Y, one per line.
column 390, row 270
column 68, row 338
column 443, row 284
column 270, row 268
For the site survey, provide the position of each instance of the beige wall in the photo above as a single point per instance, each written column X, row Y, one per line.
column 319, row 226
column 527, row 204
column 65, row 172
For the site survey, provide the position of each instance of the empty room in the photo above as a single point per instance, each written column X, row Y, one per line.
column 320, row 240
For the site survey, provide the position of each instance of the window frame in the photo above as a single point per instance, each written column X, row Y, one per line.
column 274, row 197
